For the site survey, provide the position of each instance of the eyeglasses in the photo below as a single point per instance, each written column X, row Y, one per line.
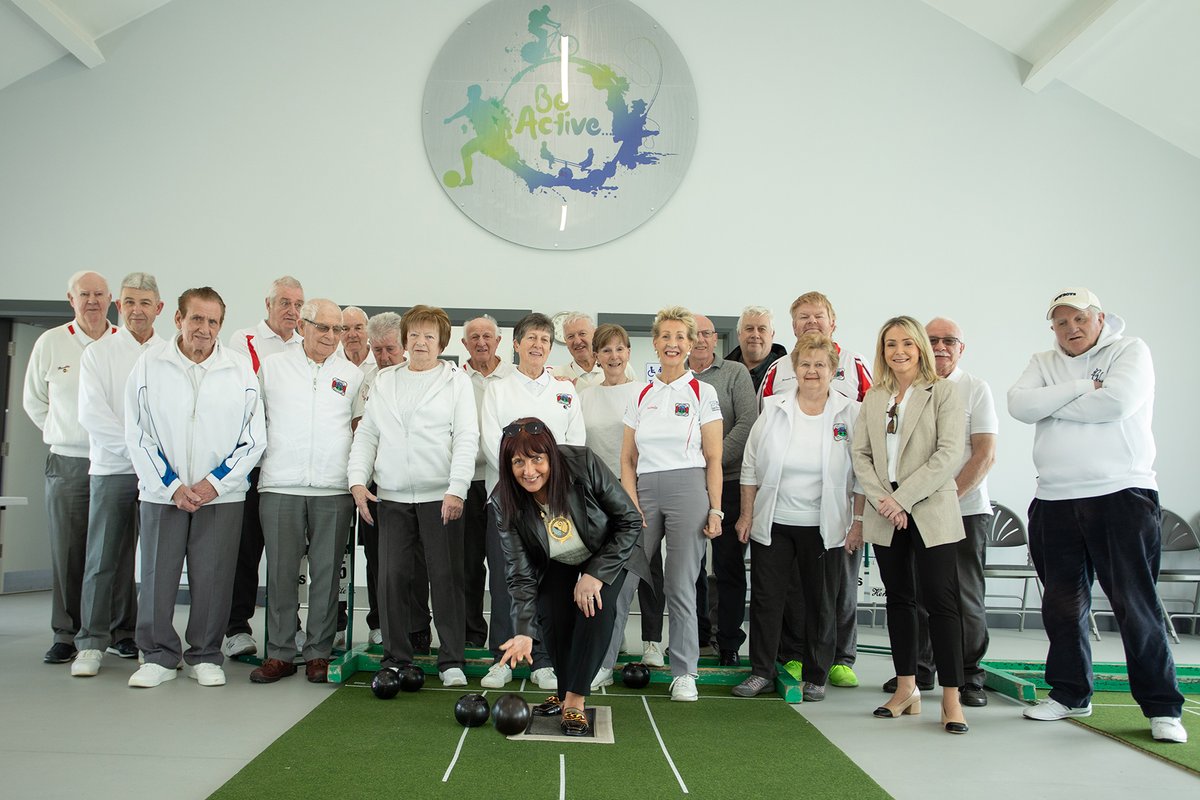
column 949, row 341
column 707, row 334
column 535, row 428
column 338, row 329
column 892, row 414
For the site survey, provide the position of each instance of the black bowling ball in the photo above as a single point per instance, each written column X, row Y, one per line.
column 636, row 676
column 386, row 683
column 471, row 710
column 510, row 714
column 412, row 678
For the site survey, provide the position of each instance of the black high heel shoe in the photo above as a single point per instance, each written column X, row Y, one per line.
column 953, row 726
column 910, row 706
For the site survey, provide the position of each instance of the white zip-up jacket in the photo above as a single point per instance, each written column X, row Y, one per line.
column 762, row 463
column 308, row 409
column 178, row 434
column 1090, row 442
column 103, row 372
column 51, row 396
column 432, row 456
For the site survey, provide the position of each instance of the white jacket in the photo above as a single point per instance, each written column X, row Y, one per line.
column 178, row 435
column 308, row 409
column 762, row 463
column 1090, row 442
column 51, row 396
column 507, row 399
column 103, row 371
column 432, row 458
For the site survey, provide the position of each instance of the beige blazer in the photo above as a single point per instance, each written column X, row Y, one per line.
column 932, row 435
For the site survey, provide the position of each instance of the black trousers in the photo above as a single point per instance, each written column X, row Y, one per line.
column 576, row 644
column 245, row 574
column 475, row 561
column 729, row 569
column 795, row 555
column 904, row 565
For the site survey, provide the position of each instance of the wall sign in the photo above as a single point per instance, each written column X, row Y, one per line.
column 559, row 126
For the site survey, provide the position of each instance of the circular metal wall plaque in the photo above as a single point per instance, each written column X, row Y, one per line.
column 559, row 126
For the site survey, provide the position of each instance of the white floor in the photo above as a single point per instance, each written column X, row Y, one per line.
column 71, row 737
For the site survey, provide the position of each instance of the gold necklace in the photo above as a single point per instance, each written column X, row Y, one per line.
column 558, row 527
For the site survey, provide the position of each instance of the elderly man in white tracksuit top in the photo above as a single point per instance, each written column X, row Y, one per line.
column 194, row 429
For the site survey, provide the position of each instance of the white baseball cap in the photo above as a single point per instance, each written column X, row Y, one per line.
column 1075, row 297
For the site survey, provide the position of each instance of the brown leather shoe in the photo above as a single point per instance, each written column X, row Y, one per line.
column 272, row 670
column 317, row 670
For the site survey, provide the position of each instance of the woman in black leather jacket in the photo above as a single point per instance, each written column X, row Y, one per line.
column 570, row 536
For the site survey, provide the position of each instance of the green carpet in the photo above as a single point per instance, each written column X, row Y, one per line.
column 354, row 745
column 1117, row 716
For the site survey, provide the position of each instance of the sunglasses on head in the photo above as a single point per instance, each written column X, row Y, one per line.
column 532, row 428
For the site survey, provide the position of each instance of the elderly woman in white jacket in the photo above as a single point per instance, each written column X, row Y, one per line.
column 798, row 504
column 419, row 435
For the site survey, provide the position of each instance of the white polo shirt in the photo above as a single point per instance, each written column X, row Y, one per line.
column 981, row 418
column 260, row 341
column 479, row 382
column 666, row 419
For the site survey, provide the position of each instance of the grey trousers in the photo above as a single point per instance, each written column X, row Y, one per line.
column 971, row 552
column 675, row 505
column 289, row 522
column 108, row 606
column 410, row 533
column 67, row 491
column 208, row 539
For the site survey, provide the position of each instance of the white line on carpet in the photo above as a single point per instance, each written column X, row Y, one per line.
column 663, row 745
column 457, row 750
column 562, row 776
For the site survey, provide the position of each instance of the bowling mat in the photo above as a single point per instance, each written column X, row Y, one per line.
column 546, row 729
column 1117, row 716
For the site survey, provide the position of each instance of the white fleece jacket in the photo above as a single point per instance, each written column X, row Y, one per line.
column 1090, row 442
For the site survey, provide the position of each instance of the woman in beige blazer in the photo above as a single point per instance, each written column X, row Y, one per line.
column 908, row 445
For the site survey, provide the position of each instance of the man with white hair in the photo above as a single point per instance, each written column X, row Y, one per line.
column 583, row 369
column 304, row 497
column 51, row 399
column 356, row 344
column 275, row 334
column 1096, row 512
column 108, row 605
column 757, row 348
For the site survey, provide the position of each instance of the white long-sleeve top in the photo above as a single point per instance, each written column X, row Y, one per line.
column 186, row 422
column 259, row 342
column 51, row 394
column 417, row 453
column 308, row 408
column 554, row 402
column 763, row 460
column 480, row 382
column 1090, row 442
column 103, row 371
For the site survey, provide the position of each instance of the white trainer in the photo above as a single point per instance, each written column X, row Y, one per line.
column 604, row 677
column 1047, row 710
column 375, row 636
column 453, row 677
column 1168, row 729
column 545, row 679
column 205, row 674
column 86, row 663
column 240, row 644
column 150, row 675
column 497, row 676
column 683, row 688
column 651, row 654
column 339, row 640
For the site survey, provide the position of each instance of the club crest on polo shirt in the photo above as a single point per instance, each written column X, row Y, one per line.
column 683, row 409
column 564, row 399
column 840, row 375
column 840, row 432
column 64, row 369
column 339, row 386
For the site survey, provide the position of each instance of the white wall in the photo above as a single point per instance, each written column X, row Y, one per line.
column 875, row 150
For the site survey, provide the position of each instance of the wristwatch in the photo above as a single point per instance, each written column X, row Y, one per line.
column 719, row 513
column 857, row 518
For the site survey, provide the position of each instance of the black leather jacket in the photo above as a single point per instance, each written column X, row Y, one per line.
column 607, row 521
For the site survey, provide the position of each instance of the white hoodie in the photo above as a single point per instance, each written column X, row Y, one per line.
column 1090, row 442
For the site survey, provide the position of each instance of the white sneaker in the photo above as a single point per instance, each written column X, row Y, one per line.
column 453, row 677
column 683, row 688
column 497, row 676
column 86, row 663
column 375, row 636
column 604, row 677
column 651, row 654
column 150, row 675
column 205, row 674
column 240, row 644
column 1047, row 710
column 1168, row 729
column 545, row 679
column 339, row 641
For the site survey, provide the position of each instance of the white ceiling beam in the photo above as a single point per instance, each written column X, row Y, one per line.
column 1090, row 33
column 63, row 29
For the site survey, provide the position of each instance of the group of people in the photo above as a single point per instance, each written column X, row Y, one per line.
column 580, row 486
